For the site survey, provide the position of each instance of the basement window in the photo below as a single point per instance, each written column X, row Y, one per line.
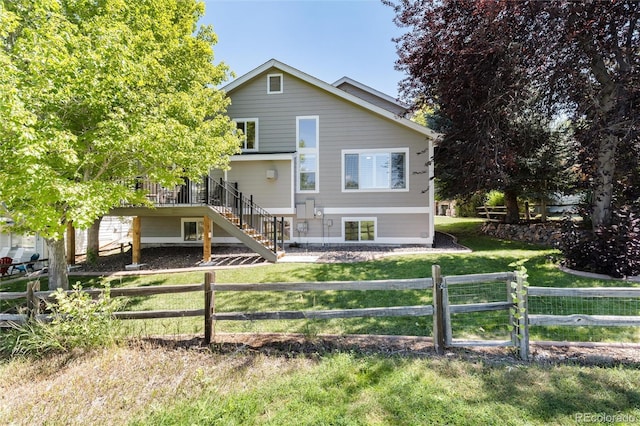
column 192, row 229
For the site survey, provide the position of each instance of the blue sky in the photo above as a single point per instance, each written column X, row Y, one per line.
column 328, row 39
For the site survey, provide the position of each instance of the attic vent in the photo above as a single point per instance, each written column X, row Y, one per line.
column 274, row 83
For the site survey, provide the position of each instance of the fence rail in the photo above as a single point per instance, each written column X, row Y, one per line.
column 510, row 287
column 577, row 320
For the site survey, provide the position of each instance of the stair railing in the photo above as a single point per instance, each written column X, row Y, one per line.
column 227, row 198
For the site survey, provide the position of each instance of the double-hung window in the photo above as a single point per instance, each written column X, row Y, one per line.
column 249, row 127
column 375, row 170
column 307, row 136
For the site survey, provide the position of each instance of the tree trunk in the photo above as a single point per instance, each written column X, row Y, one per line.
column 93, row 241
column 58, row 272
column 603, row 190
column 511, row 202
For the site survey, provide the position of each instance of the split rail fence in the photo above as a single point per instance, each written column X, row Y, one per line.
column 512, row 297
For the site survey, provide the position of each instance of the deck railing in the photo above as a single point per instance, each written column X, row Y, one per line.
column 226, row 198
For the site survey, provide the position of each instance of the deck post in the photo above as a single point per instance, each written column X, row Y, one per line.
column 251, row 211
column 240, row 212
column 209, row 306
column 135, row 251
column 275, row 234
column 206, row 240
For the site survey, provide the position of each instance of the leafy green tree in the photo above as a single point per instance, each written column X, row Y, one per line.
column 95, row 94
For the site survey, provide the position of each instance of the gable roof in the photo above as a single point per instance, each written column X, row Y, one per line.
column 351, row 82
column 273, row 63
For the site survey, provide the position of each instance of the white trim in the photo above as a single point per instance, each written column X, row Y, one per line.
column 432, row 191
column 377, row 210
column 333, row 90
column 404, row 151
column 166, row 240
column 360, row 219
column 264, row 157
column 257, row 126
column 308, row 151
column 281, row 211
column 275, row 92
column 378, row 242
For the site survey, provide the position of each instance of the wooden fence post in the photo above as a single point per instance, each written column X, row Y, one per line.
column 209, row 306
column 438, row 311
column 511, row 292
column 446, row 313
column 523, row 317
column 33, row 302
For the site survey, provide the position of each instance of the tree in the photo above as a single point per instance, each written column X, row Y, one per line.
column 593, row 66
column 484, row 61
column 95, row 95
column 463, row 59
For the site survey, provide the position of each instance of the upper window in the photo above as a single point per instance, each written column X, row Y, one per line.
column 274, row 83
column 308, row 138
column 249, row 127
column 375, row 170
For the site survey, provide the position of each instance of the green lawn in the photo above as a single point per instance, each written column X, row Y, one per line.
column 489, row 255
column 143, row 385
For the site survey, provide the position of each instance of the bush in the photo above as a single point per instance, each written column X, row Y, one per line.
column 77, row 321
column 613, row 250
column 466, row 207
column 495, row 198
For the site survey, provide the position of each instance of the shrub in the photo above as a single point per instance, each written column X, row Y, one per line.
column 613, row 250
column 466, row 207
column 495, row 198
column 77, row 321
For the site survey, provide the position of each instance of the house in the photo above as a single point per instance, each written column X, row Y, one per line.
column 20, row 247
column 321, row 164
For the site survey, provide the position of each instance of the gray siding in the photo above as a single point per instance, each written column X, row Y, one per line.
column 169, row 227
column 371, row 98
column 343, row 125
column 159, row 226
column 394, row 228
column 267, row 193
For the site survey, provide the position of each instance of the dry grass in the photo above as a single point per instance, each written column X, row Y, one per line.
column 247, row 380
column 115, row 385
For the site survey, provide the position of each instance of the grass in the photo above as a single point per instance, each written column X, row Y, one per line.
column 166, row 386
column 489, row 255
column 141, row 384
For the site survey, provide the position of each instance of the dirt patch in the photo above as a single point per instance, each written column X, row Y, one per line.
column 294, row 345
column 158, row 258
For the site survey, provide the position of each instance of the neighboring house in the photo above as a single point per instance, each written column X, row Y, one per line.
column 333, row 164
column 20, row 247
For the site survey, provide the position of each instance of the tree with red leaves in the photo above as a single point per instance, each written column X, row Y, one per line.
column 501, row 70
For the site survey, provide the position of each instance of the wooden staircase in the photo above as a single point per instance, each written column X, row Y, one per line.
column 250, row 237
column 237, row 214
